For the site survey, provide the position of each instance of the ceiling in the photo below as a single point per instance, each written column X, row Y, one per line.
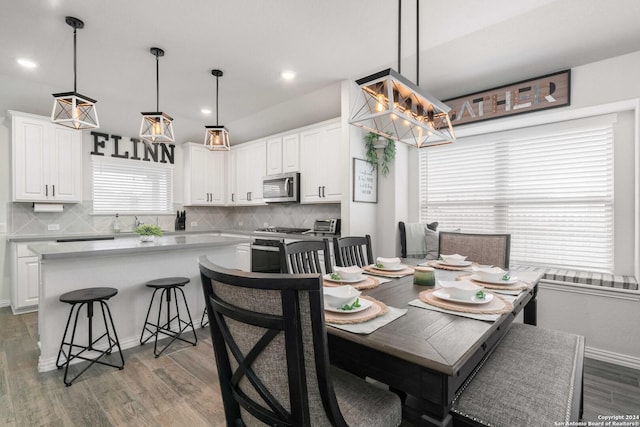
column 466, row 46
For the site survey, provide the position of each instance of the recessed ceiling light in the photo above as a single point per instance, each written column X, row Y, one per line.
column 288, row 75
column 26, row 63
column 205, row 111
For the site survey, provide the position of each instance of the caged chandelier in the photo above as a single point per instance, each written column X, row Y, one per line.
column 391, row 106
column 216, row 137
column 156, row 126
column 70, row 108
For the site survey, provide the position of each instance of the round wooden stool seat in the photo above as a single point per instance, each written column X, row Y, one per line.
column 168, row 282
column 88, row 295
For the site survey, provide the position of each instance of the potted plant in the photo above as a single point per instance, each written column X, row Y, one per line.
column 388, row 145
column 148, row 232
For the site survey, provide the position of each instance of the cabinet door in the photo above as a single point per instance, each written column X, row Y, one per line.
column 243, row 256
column 257, row 170
column 330, row 164
column 65, row 172
column 232, row 185
column 274, row 156
column 196, row 175
column 290, row 153
column 25, row 292
column 217, row 174
column 30, row 161
column 310, row 146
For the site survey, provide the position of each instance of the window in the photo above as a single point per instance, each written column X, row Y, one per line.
column 550, row 187
column 125, row 186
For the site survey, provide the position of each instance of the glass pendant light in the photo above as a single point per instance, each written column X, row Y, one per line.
column 216, row 137
column 392, row 106
column 70, row 108
column 156, row 126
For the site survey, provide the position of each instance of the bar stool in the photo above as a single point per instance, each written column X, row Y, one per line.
column 205, row 319
column 167, row 286
column 78, row 299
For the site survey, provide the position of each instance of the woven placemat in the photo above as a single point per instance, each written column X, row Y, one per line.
column 518, row 286
column 378, row 308
column 367, row 283
column 393, row 274
column 497, row 306
column 436, row 264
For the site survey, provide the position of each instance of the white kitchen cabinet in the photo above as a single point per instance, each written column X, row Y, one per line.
column 249, row 167
column 25, row 279
column 320, row 151
column 283, row 154
column 205, row 175
column 47, row 160
column 243, row 256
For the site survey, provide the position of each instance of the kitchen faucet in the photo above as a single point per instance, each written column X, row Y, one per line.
column 137, row 223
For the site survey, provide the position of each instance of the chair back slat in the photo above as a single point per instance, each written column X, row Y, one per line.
column 269, row 341
column 488, row 249
column 353, row 251
column 304, row 257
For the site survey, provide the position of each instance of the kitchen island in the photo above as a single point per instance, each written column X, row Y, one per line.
column 125, row 264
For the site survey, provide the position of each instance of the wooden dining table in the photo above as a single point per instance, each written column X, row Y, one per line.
column 425, row 356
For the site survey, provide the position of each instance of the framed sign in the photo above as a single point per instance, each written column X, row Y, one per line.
column 365, row 182
column 541, row 93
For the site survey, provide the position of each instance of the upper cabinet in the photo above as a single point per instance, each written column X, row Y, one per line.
column 205, row 174
column 47, row 160
column 283, row 154
column 248, row 167
column 320, row 151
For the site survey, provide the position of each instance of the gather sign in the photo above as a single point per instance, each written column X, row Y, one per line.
column 550, row 91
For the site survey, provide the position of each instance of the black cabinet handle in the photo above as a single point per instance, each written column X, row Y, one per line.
column 233, row 197
column 53, row 187
column 46, row 190
column 323, row 191
column 319, row 193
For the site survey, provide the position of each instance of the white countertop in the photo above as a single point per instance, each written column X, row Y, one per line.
column 119, row 246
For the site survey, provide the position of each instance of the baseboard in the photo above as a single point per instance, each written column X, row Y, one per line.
column 4, row 303
column 611, row 357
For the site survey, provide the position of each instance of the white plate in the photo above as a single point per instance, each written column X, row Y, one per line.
column 512, row 281
column 458, row 264
column 364, row 304
column 394, row 268
column 356, row 280
column 443, row 294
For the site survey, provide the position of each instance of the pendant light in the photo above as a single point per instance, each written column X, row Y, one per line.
column 216, row 137
column 70, row 108
column 394, row 107
column 156, row 126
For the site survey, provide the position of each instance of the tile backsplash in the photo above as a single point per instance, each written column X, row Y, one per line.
column 78, row 219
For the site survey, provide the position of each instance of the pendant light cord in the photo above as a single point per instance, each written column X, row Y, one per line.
column 417, row 42
column 399, row 35
column 75, row 61
column 157, row 83
column 217, row 101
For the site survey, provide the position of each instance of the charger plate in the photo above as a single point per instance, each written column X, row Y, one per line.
column 370, row 269
column 518, row 286
column 497, row 306
column 367, row 283
column 436, row 264
column 378, row 308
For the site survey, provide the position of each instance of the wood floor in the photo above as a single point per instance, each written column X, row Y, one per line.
column 180, row 388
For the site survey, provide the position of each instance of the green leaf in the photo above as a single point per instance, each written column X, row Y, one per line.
column 348, row 307
column 480, row 295
column 335, row 276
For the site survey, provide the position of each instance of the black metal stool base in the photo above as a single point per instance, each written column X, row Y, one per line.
column 205, row 319
column 166, row 286
column 70, row 351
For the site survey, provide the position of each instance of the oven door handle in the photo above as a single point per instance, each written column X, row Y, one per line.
column 265, row 248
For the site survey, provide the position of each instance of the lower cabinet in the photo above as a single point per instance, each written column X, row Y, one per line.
column 243, row 256
column 25, row 280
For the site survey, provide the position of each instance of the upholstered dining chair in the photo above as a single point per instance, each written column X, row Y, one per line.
column 353, row 251
column 270, row 345
column 304, row 257
column 491, row 249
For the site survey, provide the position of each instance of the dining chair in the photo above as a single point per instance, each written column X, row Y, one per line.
column 490, row 249
column 305, row 257
column 270, row 345
column 353, row 251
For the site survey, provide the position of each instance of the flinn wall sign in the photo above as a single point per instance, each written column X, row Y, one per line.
column 541, row 93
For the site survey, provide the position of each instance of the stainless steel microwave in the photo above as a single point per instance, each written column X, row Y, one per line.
column 283, row 188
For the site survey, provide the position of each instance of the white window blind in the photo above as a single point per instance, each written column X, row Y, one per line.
column 550, row 187
column 125, row 186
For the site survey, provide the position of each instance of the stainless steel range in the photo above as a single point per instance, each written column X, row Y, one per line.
column 265, row 252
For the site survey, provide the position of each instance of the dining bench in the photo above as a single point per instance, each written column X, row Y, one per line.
column 533, row 378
